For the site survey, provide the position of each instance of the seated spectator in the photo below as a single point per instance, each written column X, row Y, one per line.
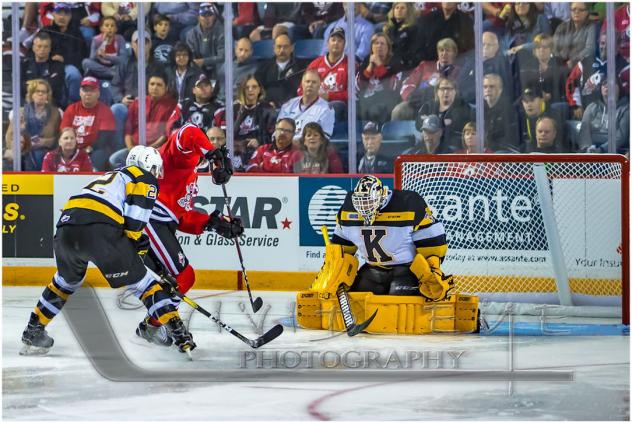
column 243, row 65
column 574, row 40
column 372, row 161
column 523, row 23
column 206, row 40
column 159, row 105
column 67, row 158
column 106, row 51
column 254, row 119
column 621, row 30
column 451, row 112
column 420, row 85
column 68, row 46
column 85, row 16
column 401, row 28
column 217, row 137
column 446, row 22
column 363, row 30
column 93, row 122
column 245, row 18
column 431, row 138
column 539, row 68
column 556, row 13
column 378, row 81
column 317, row 15
column 469, row 140
column 309, row 107
column 198, row 108
column 500, row 117
column 39, row 65
column 593, row 135
column 333, row 71
column 315, row 155
column 182, row 73
column 39, row 122
column 182, row 16
column 278, row 156
column 277, row 19
column 162, row 40
column 533, row 107
column 584, row 80
column 546, row 137
column 375, row 12
column 125, row 14
column 281, row 75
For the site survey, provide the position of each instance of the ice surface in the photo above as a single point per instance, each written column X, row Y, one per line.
column 64, row 386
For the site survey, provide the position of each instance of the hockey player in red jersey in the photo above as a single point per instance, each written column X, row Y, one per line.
column 181, row 154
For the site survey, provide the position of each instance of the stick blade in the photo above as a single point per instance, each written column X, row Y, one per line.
column 357, row 328
column 257, row 304
column 270, row 335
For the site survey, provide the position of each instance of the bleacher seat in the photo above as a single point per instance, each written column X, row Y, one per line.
column 308, row 48
column 263, row 49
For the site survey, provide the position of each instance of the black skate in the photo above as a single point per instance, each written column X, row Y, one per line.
column 181, row 336
column 155, row 334
column 35, row 338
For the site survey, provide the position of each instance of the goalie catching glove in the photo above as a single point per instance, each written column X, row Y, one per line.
column 433, row 284
column 224, row 225
column 221, row 165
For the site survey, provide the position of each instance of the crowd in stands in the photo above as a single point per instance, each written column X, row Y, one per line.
column 544, row 81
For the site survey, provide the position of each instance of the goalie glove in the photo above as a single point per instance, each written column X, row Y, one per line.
column 433, row 284
column 224, row 225
column 221, row 165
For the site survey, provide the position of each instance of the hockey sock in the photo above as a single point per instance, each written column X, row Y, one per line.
column 51, row 302
column 159, row 304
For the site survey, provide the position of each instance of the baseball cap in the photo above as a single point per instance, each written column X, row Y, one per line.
column 201, row 79
column 59, row 7
column 431, row 124
column 338, row 31
column 370, row 128
column 530, row 93
column 207, row 9
column 90, row 81
column 135, row 36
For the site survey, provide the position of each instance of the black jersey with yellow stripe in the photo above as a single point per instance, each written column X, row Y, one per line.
column 123, row 197
column 403, row 227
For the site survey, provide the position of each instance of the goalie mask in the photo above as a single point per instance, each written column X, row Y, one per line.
column 368, row 197
column 147, row 158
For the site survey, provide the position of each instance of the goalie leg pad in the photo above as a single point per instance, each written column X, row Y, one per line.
column 338, row 267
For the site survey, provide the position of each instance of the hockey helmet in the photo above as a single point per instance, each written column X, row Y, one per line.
column 368, row 197
column 147, row 158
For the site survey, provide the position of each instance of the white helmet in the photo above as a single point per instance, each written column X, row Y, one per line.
column 368, row 197
column 147, row 158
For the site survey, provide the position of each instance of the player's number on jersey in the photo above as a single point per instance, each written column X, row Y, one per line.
column 374, row 251
column 102, row 180
column 152, row 192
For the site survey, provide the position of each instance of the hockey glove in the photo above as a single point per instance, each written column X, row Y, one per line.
column 221, row 165
column 224, row 225
column 142, row 245
column 433, row 284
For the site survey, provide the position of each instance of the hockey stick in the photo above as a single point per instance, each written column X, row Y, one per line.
column 345, row 304
column 258, row 302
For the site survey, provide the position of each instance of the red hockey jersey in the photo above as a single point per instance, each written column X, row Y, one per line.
column 181, row 155
column 333, row 77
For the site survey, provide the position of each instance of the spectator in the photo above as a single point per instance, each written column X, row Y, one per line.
column 39, row 120
column 246, row 18
column 470, row 140
column 254, row 119
column 278, row 156
column 556, row 13
column 67, row 158
column 402, row 30
column 500, row 120
column 363, row 30
column 125, row 14
column 533, row 108
column 106, row 51
column 85, row 16
column 451, row 112
column 217, row 136
column 372, row 161
column 158, row 107
column 431, row 138
column 539, row 68
column 277, row 19
column 68, row 47
column 317, row 15
column 182, row 75
column 574, row 40
column 622, row 30
column 309, row 107
column 593, row 135
column 162, row 40
column 546, row 137
column 93, row 122
column 198, row 108
column 375, row 12
column 281, row 76
column 243, row 65
column 378, row 81
column 206, row 40
column 523, row 23
column 446, row 22
column 182, row 16
column 420, row 85
column 315, row 155
column 39, row 65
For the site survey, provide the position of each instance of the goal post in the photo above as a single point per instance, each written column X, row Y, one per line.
column 531, row 228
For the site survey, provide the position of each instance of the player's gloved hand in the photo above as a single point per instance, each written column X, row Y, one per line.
column 142, row 245
column 224, row 225
column 221, row 165
column 182, row 338
column 169, row 284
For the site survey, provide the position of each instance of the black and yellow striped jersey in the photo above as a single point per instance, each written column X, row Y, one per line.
column 403, row 227
column 122, row 197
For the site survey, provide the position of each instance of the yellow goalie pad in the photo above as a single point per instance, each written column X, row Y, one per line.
column 338, row 267
column 432, row 283
column 397, row 314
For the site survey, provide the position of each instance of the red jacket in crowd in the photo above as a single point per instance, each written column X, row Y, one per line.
column 157, row 112
column 267, row 158
column 55, row 162
column 333, row 77
column 88, row 123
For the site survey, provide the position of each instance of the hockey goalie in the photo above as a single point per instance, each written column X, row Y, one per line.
column 401, row 281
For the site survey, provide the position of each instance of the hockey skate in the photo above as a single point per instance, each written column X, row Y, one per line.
column 35, row 338
column 154, row 334
column 181, row 336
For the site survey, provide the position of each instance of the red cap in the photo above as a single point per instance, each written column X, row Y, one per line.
column 90, row 81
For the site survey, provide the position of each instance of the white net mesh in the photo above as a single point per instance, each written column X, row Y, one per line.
column 525, row 231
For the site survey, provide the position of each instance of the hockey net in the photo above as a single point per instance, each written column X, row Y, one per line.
column 533, row 229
